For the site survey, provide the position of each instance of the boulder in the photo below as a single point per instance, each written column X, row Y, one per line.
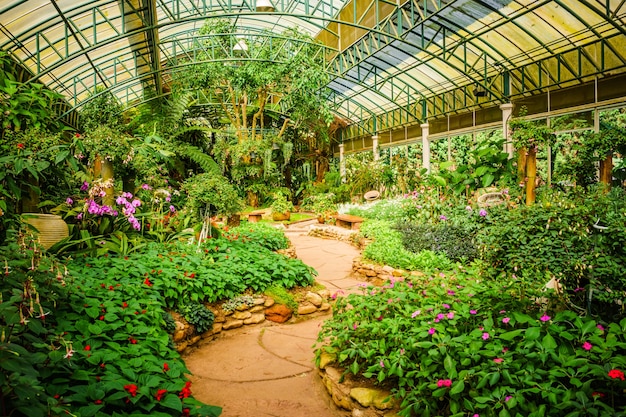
column 278, row 313
column 241, row 315
column 314, row 298
column 232, row 324
column 306, row 308
column 255, row 318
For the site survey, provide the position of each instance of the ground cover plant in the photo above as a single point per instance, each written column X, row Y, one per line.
column 88, row 344
column 455, row 345
column 89, row 336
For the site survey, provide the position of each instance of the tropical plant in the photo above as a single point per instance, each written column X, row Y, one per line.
column 280, row 204
column 486, row 165
column 460, row 346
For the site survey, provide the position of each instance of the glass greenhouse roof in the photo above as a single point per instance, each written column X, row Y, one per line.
column 417, row 58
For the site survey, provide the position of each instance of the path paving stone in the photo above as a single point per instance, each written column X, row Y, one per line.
column 268, row 370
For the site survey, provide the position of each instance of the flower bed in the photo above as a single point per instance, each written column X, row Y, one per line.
column 456, row 345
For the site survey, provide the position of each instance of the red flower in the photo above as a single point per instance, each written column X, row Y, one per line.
column 111, row 287
column 597, row 394
column 132, row 341
column 185, row 412
column 132, row 389
column 103, row 285
column 193, row 275
column 160, row 393
column 88, row 347
column 186, row 391
column 125, row 304
column 20, row 146
column 616, row 373
column 102, row 365
column 147, row 282
column 98, row 402
column 166, row 367
column 101, row 317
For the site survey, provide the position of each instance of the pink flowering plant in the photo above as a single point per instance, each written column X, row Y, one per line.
column 455, row 345
column 98, row 227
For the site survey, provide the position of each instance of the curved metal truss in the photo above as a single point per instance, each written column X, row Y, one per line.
column 392, row 63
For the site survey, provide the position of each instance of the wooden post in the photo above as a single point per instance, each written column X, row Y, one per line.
column 606, row 170
column 521, row 165
column 531, row 174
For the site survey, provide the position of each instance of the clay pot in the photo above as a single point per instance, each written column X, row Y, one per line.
column 50, row 227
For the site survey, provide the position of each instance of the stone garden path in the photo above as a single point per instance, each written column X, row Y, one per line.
column 267, row 370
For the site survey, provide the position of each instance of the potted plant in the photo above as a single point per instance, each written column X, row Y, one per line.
column 281, row 207
column 323, row 205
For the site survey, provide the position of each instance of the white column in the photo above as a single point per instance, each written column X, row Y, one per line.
column 375, row 147
column 507, row 111
column 425, row 147
column 342, row 164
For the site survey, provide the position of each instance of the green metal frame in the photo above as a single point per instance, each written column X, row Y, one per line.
column 451, row 44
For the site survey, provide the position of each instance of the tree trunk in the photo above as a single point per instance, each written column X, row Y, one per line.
column 531, row 173
column 606, row 170
column 104, row 169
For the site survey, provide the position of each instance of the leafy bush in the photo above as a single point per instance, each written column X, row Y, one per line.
column 89, row 343
column 259, row 234
column 557, row 238
column 387, row 248
column 458, row 346
column 199, row 316
column 456, row 242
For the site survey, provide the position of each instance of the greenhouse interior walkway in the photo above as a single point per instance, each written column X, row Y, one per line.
column 268, row 370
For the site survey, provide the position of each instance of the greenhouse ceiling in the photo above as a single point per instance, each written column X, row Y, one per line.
column 392, row 63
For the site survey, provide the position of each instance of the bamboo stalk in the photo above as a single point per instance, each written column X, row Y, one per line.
column 531, row 174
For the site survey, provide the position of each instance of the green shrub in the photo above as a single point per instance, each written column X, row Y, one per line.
column 86, row 341
column 387, row 248
column 456, row 242
column 259, row 234
column 459, row 346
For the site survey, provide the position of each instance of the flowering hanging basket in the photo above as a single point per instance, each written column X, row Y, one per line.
column 49, row 228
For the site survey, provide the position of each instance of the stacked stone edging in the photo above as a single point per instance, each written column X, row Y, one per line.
column 262, row 309
column 348, row 394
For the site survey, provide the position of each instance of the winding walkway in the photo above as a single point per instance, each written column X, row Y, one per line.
column 268, row 370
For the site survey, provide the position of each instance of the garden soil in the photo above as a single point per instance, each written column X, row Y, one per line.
column 268, row 370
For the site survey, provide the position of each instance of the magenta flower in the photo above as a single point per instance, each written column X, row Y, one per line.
column 146, row 187
column 416, row 313
column 442, row 217
column 485, row 336
column 382, row 364
column 69, row 201
column 508, row 397
column 85, row 186
column 446, row 305
column 506, row 320
column 431, row 330
column 472, row 311
column 545, row 318
column 587, row 346
column 355, row 326
column 601, row 327
column 498, row 360
column 450, row 315
column 482, row 213
column 444, row 383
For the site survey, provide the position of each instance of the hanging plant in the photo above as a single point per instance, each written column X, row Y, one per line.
column 287, row 152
